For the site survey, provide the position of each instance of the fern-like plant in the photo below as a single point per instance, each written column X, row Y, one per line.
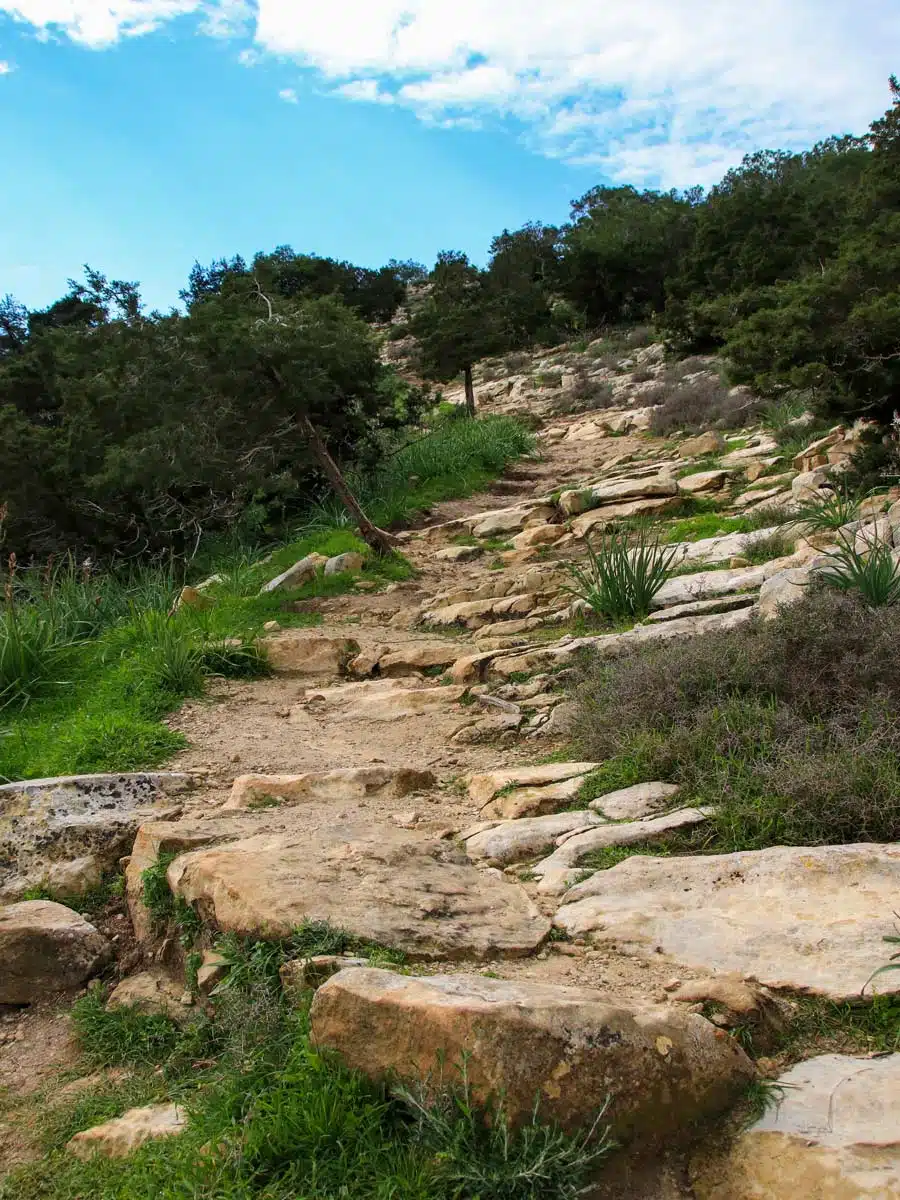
column 622, row 574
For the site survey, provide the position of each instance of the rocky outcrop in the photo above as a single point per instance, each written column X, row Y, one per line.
column 636, row 802
column 484, row 787
column 45, row 948
column 558, row 871
column 297, row 653
column 47, row 823
column 345, row 784
column 573, row 1051
column 513, row 841
column 119, row 1137
column 811, row 920
column 832, row 1135
column 263, row 874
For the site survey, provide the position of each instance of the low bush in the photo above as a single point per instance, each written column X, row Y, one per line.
column 697, row 405
column 874, row 574
column 789, row 727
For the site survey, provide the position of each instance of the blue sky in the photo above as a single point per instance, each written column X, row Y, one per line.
column 139, row 135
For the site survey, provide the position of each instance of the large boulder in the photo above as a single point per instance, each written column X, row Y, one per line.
column 805, row 919
column 300, row 653
column 45, row 948
column 831, row 1136
column 120, row 1136
column 46, row 823
column 573, row 1050
column 710, row 442
column 262, row 874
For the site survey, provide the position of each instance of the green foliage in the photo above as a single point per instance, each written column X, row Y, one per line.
column 829, row 511
column 872, row 573
column 122, row 1036
column 623, row 574
column 774, row 545
column 269, row 1118
column 788, row 727
column 165, row 909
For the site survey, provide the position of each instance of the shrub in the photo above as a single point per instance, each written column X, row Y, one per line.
column 623, row 575
column 874, row 574
column 829, row 510
column 790, row 726
column 699, row 404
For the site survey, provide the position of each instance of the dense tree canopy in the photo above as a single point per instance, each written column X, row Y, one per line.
column 126, row 429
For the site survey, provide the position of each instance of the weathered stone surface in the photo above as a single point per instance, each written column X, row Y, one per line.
column 702, row 608
column 634, row 803
column 782, row 590
column 395, row 703
column 759, row 447
column 301, row 975
column 504, row 520
column 263, row 873
column 573, row 1049
column 808, row 485
column 48, row 821
column 151, row 992
column 119, row 1137
column 533, row 801
column 293, row 653
column 558, row 870
column 418, row 656
column 710, row 442
column 682, row 589
column 72, row 878
column 805, row 919
column 45, row 948
column 191, row 597
column 458, row 553
column 343, row 784
column 475, row 613
column 350, row 562
column 833, row 1135
column 484, row 787
column 704, row 481
column 513, row 841
column 605, row 513
column 538, row 535
column 294, row 577
column 755, row 496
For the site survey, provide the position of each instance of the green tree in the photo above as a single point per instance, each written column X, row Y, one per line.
column 458, row 322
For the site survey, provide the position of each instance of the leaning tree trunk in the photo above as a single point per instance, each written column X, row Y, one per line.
column 470, row 391
column 378, row 539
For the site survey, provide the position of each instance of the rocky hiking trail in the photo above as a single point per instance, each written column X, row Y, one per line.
column 405, row 774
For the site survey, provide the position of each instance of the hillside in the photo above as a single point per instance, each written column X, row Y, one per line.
column 616, row 834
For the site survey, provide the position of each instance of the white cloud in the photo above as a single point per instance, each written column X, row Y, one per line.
column 6, row 68
column 652, row 91
column 288, row 95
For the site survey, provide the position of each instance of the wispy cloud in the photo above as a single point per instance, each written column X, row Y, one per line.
column 6, row 68
column 289, row 95
column 654, row 91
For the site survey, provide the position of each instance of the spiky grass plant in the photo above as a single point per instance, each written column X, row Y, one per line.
column 622, row 574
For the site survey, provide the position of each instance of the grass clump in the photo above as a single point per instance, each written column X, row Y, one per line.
column 623, row 575
column 872, row 574
column 829, row 511
column 789, row 727
column 270, row 1118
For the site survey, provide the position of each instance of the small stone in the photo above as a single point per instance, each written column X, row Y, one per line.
column 272, row 626
column 672, row 985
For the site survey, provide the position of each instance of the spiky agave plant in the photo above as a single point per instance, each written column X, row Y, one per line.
column 622, row 574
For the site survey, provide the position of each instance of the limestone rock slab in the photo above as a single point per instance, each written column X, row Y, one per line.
column 513, row 841
column 45, row 948
column 805, row 919
column 263, row 874
column 635, row 803
column 48, row 821
column 832, row 1136
column 485, row 786
column 573, row 1049
column 119, row 1137
column 308, row 654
